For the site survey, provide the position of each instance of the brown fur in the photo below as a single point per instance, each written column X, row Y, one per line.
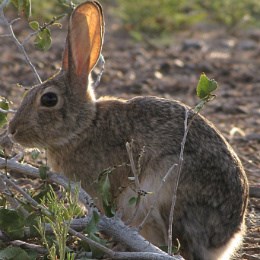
column 84, row 136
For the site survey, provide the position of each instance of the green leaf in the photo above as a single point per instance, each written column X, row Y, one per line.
column 105, row 190
column 4, row 104
column 14, row 253
column 12, row 223
column 175, row 249
column 43, row 40
column 43, row 169
column 91, row 227
column 205, row 86
column 96, row 253
column 34, row 25
column 132, row 201
column 35, row 153
column 92, row 231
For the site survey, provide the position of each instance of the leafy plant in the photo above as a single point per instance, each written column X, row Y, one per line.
column 12, row 223
column 155, row 18
column 93, row 233
column 162, row 17
column 62, row 210
column 231, row 13
column 104, row 187
column 12, row 253
column 204, row 91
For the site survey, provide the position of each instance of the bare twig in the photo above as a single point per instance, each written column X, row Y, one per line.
column 16, row 41
column 186, row 130
column 129, row 147
column 92, row 242
column 5, row 35
column 144, row 256
column 35, row 248
column 3, row 111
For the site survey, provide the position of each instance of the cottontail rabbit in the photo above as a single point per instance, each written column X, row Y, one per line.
column 83, row 136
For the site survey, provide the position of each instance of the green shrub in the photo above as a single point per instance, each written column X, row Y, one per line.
column 158, row 17
column 231, row 12
column 161, row 17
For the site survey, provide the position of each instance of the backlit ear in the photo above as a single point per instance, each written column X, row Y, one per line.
column 84, row 41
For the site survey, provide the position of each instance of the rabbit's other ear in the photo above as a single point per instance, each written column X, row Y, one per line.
column 84, row 42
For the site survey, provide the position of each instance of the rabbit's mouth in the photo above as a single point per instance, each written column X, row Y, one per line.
column 23, row 138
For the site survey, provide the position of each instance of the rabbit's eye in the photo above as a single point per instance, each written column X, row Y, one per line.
column 49, row 99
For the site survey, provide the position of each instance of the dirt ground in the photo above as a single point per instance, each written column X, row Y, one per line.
column 172, row 72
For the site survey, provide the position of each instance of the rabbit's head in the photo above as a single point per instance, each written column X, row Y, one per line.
column 55, row 112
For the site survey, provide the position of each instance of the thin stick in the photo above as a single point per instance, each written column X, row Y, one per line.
column 186, row 129
column 3, row 111
column 129, row 147
column 25, row 245
column 132, row 164
column 5, row 35
column 91, row 242
column 16, row 41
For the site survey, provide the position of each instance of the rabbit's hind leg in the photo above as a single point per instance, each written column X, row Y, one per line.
column 197, row 251
column 202, row 241
column 228, row 251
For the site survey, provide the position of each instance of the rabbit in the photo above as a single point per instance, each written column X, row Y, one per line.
column 83, row 136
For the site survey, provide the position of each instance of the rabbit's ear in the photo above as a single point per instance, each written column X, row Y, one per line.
column 84, row 41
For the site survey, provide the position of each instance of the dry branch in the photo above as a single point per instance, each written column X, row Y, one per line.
column 3, row 111
column 36, row 248
column 115, row 228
